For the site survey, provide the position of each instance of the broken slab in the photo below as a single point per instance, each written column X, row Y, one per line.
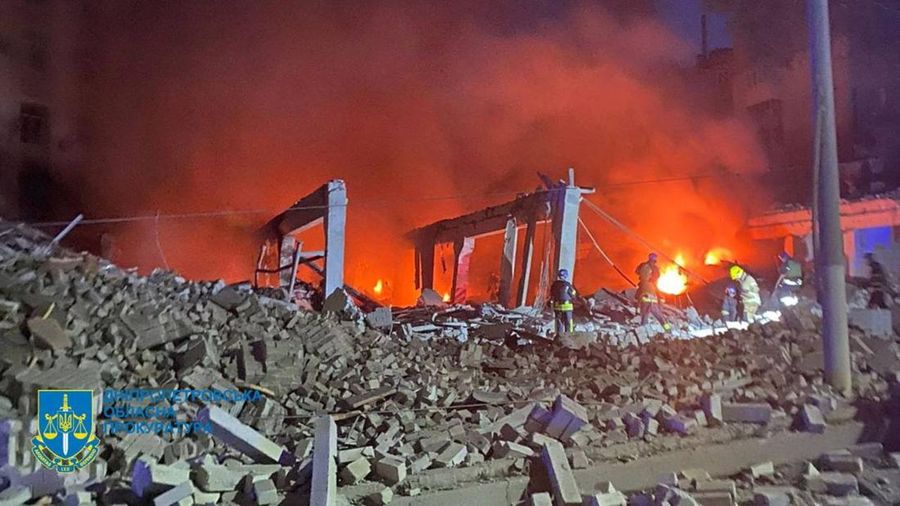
column 451, row 456
column 874, row 322
column 811, row 419
column 763, row 469
column 264, row 492
column 242, row 437
column 212, row 477
column 712, row 407
column 324, row 473
column 615, row 498
column 47, row 333
column 566, row 418
column 541, row 499
column 843, row 461
column 840, row 484
column 391, row 469
column 556, row 465
column 381, row 497
column 183, row 494
column 380, row 319
column 356, row 471
column 148, row 477
column 773, row 496
column 746, row 412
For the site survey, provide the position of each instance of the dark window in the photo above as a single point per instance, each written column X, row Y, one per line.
column 33, row 122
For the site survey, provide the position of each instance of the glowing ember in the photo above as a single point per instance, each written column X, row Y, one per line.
column 447, row 297
column 716, row 255
column 671, row 280
column 379, row 287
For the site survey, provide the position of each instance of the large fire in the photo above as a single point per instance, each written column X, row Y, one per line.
column 672, row 279
column 715, row 256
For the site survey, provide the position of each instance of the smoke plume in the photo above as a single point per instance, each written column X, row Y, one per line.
column 199, row 106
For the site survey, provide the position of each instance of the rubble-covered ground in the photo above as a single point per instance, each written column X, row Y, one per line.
column 422, row 399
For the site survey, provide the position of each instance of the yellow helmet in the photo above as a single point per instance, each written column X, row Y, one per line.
column 735, row 272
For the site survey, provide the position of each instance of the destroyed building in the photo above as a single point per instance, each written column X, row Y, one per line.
column 355, row 410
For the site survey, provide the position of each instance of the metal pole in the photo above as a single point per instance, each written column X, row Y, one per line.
column 830, row 253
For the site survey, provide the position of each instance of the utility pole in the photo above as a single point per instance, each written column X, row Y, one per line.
column 829, row 250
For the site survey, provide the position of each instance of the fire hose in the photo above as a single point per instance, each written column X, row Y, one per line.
column 621, row 226
column 603, row 253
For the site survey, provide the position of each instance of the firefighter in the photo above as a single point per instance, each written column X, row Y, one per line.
column 562, row 293
column 878, row 283
column 790, row 279
column 647, row 297
column 730, row 304
column 749, row 291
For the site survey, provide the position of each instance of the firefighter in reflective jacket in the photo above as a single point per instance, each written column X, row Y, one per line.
column 648, row 300
column 562, row 293
column 749, row 291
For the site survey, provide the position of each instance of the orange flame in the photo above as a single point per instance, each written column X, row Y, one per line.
column 672, row 280
column 716, row 255
column 379, row 287
column 446, row 296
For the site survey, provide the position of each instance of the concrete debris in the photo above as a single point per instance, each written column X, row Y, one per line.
column 541, row 499
column 412, row 393
column 241, row 437
column 48, row 333
column 356, row 471
column 811, row 419
column 773, row 496
column 874, row 322
column 391, row 470
column 559, row 474
column 380, row 498
column 747, row 412
column 764, row 469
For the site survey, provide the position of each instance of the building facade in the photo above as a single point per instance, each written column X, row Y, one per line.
column 41, row 68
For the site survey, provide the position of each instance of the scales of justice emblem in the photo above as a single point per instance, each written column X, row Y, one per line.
column 65, row 441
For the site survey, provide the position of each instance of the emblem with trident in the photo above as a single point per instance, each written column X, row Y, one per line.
column 63, row 420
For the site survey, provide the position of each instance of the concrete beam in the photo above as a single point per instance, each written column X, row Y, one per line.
column 335, row 224
column 527, row 254
column 854, row 215
column 462, row 253
column 566, row 203
column 508, row 260
column 326, row 206
column 483, row 222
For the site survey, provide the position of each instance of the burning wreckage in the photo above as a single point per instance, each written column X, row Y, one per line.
column 440, row 403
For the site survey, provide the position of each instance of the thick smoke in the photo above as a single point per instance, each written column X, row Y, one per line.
column 199, row 106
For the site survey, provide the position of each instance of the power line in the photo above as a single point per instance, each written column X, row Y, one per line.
column 157, row 217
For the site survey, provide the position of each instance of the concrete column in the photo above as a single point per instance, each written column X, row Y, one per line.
column 565, row 228
column 335, row 223
column 527, row 253
column 462, row 252
column 286, row 257
column 508, row 260
column 788, row 246
column 425, row 265
column 850, row 251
